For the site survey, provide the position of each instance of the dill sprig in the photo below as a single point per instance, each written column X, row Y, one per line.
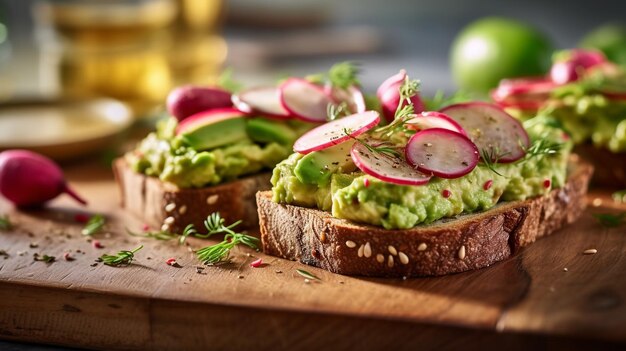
column 94, row 225
column 44, row 258
column 122, row 258
column 215, row 224
column 404, row 113
column 490, row 157
column 227, row 81
column 307, row 274
column 341, row 75
column 390, row 151
column 440, row 100
column 335, row 111
column 610, row 220
column 158, row 235
column 344, row 74
column 542, row 147
column 5, row 223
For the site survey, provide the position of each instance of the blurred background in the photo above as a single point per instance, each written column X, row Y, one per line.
column 137, row 50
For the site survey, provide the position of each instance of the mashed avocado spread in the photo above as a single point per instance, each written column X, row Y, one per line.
column 586, row 113
column 348, row 193
column 164, row 155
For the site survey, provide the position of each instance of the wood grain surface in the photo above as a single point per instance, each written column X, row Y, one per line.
column 528, row 301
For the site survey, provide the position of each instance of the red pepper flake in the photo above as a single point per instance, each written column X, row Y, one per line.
column 96, row 244
column 446, row 193
column 171, row 261
column 366, row 182
column 547, row 183
column 81, row 218
column 565, row 136
column 488, row 184
column 257, row 263
column 67, row 257
column 145, row 227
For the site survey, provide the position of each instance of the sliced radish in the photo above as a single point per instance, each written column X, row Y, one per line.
column 353, row 96
column 491, row 129
column 523, row 93
column 442, row 152
column 433, row 119
column 385, row 167
column 574, row 65
column 333, row 133
column 304, row 100
column 260, row 100
column 527, row 85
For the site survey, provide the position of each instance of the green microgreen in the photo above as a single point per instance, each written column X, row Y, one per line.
column 307, row 275
column 227, row 81
column 5, row 223
column 336, row 111
column 94, row 225
column 44, row 258
column 344, row 74
column 610, row 220
column 158, row 235
column 389, row 151
column 122, row 258
column 215, row 224
column 490, row 158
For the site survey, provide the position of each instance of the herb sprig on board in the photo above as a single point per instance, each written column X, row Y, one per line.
column 5, row 223
column 94, row 225
column 122, row 258
column 610, row 220
column 215, row 224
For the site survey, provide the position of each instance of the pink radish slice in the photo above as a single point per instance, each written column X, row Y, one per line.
column 565, row 72
column 353, row 96
column 332, row 133
column 528, row 85
column 260, row 100
column 433, row 119
column 207, row 117
column 441, row 152
column 491, row 129
column 386, row 167
column 304, row 100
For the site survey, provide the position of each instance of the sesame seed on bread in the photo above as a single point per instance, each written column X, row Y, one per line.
column 447, row 246
column 159, row 203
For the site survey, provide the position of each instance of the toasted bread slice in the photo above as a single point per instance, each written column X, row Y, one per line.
column 610, row 168
column 156, row 202
column 447, row 246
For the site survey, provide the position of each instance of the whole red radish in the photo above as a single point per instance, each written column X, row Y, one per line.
column 388, row 94
column 29, row 179
column 188, row 100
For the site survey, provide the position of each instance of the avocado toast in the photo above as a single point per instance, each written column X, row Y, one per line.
column 430, row 193
column 214, row 150
column 584, row 94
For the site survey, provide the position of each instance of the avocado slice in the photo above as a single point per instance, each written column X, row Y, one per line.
column 213, row 128
column 264, row 130
column 318, row 166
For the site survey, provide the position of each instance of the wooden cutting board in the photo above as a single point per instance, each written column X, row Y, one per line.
column 549, row 295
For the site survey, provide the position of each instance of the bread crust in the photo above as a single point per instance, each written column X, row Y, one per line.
column 148, row 198
column 610, row 168
column 468, row 242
